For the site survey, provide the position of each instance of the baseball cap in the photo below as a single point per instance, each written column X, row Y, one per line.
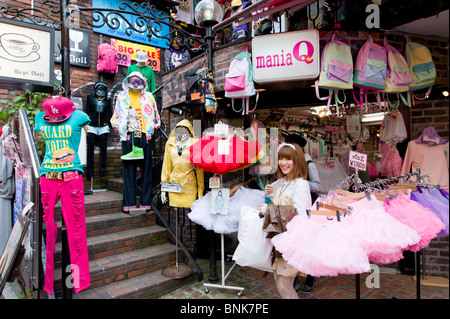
column 141, row 56
column 58, row 109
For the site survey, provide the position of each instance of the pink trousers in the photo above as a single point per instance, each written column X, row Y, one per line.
column 72, row 206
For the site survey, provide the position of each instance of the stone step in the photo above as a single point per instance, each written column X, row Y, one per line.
column 150, row 285
column 119, row 242
column 118, row 267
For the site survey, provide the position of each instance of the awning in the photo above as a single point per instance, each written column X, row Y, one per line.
column 273, row 6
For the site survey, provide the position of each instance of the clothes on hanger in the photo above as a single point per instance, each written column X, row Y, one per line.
column 7, row 186
column 393, row 128
column 225, row 224
column 432, row 158
column 391, row 162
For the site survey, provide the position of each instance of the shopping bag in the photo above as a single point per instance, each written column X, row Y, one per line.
column 254, row 249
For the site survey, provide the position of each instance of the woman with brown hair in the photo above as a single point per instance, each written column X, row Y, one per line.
column 292, row 189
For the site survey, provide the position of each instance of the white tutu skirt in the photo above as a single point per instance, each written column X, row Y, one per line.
column 225, row 224
column 319, row 247
column 382, row 237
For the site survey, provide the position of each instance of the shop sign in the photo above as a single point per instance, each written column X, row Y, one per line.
column 357, row 160
column 126, row 51
column 80, row 47
column 26, row 56
column 286, row 56
column 121, row 32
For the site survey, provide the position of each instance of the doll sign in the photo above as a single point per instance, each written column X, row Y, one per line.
column 357, row 160
column 287, row 56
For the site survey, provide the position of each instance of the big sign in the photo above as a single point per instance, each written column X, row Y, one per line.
column 286, row 56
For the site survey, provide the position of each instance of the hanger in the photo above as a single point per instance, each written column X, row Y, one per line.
column 355, row 196
column 330, row 213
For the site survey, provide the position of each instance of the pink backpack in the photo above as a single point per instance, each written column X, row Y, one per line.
column 107, row 58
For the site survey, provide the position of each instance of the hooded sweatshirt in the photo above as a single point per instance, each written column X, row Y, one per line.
column 178, row 169
column 149, row 111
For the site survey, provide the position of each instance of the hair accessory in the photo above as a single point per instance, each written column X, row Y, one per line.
column 285, row 144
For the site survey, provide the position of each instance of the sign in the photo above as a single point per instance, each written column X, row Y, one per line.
column 357, row 160
column 286, row 56
column 214, row 182
column 26, row 59
column 80, row 47
column 126, row 51
column 161, row 30
column 170, row 187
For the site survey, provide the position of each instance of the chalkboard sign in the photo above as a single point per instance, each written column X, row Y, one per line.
column 12, row 246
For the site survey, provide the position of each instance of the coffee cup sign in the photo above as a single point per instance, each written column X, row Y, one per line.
column 18, row 45
column 357, row 160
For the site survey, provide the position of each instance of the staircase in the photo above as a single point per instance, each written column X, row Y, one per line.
column 126, row 253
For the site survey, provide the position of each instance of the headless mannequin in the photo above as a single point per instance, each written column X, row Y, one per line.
column 182, row 140
column 99, row 110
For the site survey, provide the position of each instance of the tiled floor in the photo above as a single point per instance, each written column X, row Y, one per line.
column 388, row 285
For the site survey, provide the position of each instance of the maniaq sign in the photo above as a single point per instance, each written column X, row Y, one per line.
column 286, row 57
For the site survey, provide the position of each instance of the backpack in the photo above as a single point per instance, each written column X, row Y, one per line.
column 195, row 94
column 398, row 76
column 107, row 58
column 336, row 71
column 370, row 71
column 239, row 81
column 421, row 66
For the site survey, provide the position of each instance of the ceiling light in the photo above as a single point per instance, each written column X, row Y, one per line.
column 445, row 93
column 322, row 113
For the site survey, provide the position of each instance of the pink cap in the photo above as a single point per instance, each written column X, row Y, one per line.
column 58, row 109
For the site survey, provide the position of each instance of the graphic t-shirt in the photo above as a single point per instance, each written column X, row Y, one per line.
column 61, row 142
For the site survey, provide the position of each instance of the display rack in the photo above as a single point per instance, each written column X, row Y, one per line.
column 224, row 276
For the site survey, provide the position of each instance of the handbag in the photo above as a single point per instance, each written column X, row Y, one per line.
column 277, row 217
column 254, row 249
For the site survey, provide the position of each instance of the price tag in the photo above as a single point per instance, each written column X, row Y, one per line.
column 214, row 182
column 123, row 59
column 357, row 160
column 224, row 147
column 170, row 187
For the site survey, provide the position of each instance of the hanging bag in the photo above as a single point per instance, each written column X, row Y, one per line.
column 336, row 71
column 239, row 81
column 370, row 71
column 421, row 66
column 107, row 58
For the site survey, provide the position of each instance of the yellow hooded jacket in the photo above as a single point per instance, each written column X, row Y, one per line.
column 178, row 169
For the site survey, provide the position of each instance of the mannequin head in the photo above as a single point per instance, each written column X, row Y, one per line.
column 100, row 91
column 135, row 83
column 182, row 133
column 141, row 58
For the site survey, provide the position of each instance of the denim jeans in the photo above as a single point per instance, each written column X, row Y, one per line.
column 71, row 194
column 129, row 169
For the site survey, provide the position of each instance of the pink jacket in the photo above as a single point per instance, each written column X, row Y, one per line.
column 432, row 159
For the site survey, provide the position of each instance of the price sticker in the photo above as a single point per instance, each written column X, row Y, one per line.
column 357, row 160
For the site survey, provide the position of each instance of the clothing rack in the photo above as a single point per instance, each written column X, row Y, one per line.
column 416, row 254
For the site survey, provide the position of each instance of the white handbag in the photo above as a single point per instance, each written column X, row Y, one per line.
column 254, row 249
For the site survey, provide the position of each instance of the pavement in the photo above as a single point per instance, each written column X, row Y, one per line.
column 385, row 283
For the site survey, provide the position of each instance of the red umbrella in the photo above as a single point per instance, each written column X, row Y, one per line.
column 222, row 155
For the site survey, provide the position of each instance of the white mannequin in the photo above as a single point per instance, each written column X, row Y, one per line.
column 182, row 140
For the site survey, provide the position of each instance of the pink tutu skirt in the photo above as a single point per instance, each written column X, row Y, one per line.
column 382, row 237
column 417, row 217
column 319, row 247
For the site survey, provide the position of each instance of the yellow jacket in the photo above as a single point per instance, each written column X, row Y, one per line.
column 178, row 169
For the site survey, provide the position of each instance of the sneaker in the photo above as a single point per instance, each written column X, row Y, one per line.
column 309, row 284
column 136, row 154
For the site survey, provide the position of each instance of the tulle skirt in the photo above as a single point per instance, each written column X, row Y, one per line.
column 382, row 237
column 225, row 224
column 417, row 217
column 440, row 209
column 319, row 247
